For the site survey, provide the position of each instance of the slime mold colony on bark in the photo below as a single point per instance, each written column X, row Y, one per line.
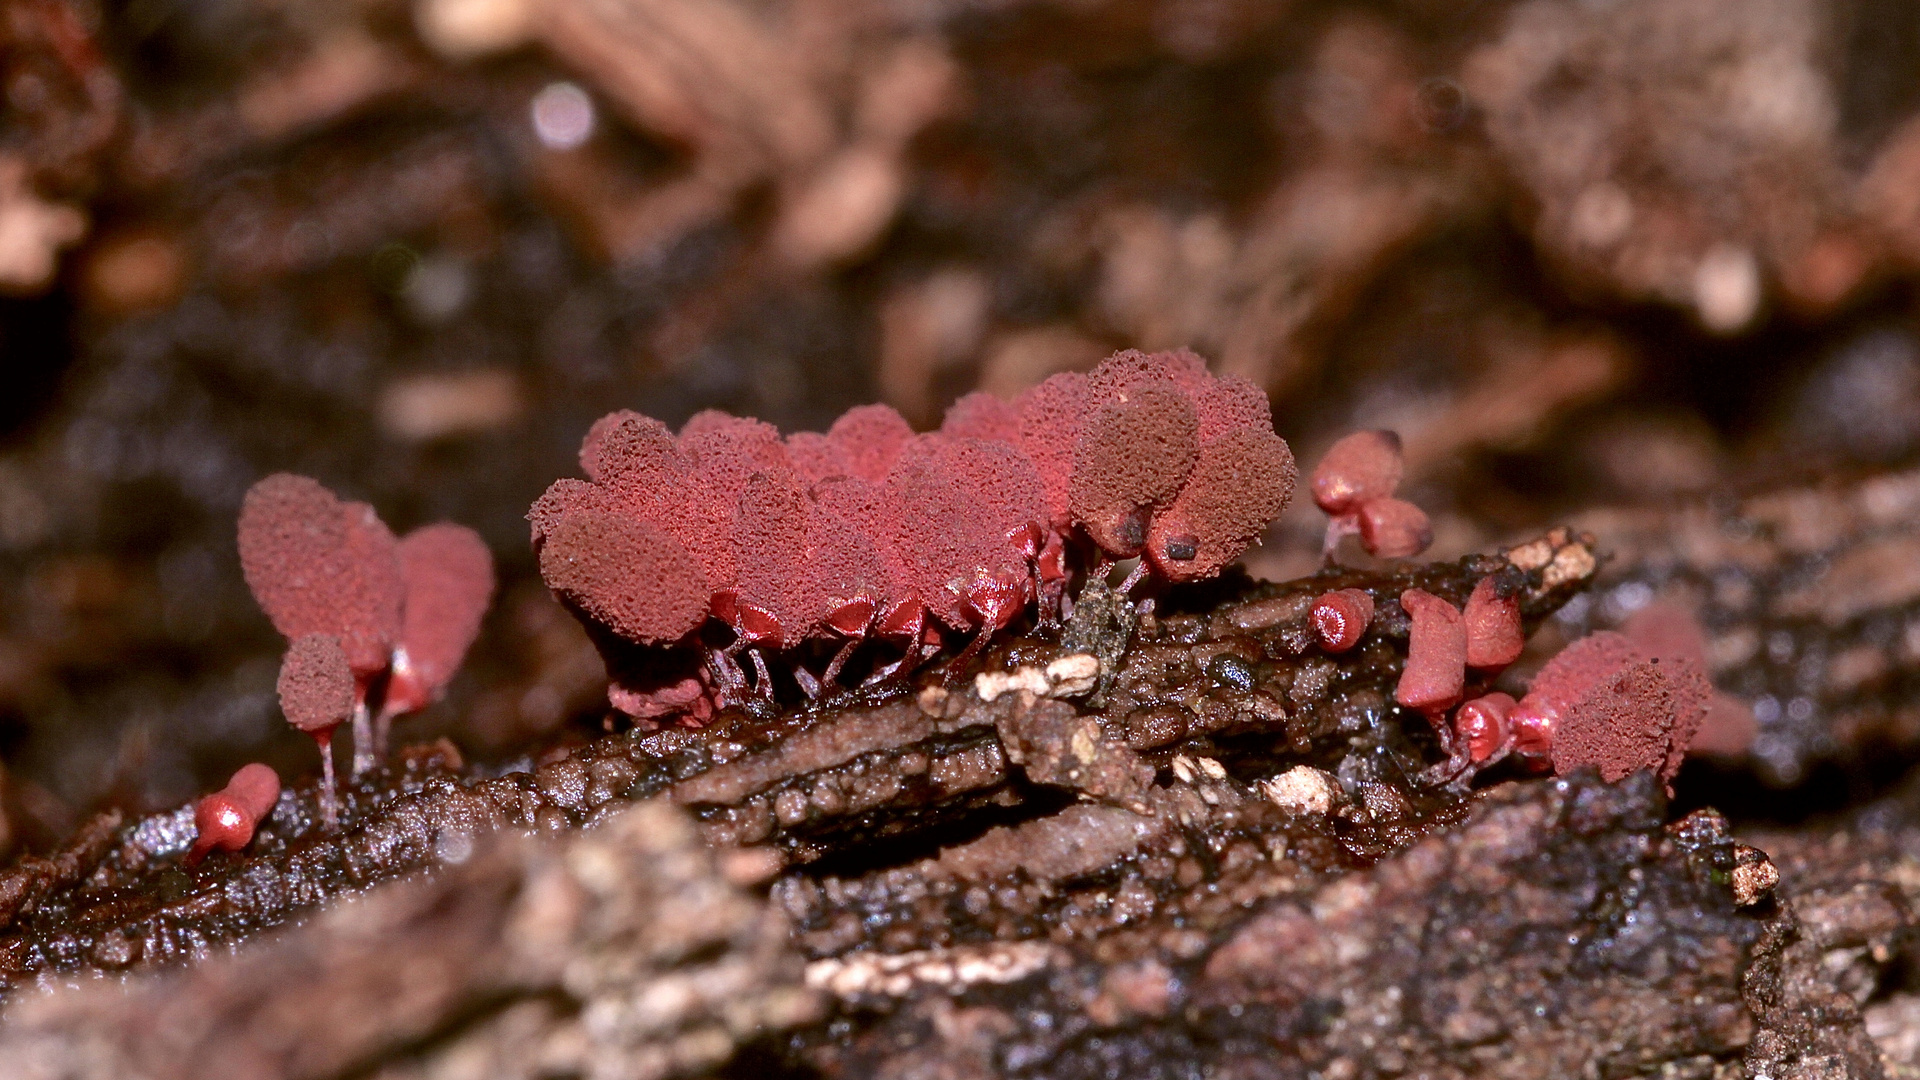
column 1603, row 702
column 871, row 531
column 813, row 544
column 1637, row 719
column 401, row 614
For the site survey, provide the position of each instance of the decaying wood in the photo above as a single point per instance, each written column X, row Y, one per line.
column 1240, row 683
column 1230, row 864
column 623, row 951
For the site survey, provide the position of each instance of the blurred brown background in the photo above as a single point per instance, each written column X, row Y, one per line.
column 1576, row 252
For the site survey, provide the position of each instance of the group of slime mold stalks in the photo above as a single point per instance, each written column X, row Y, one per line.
column 726, row 544
column 695, row 557
column 703, row 562
column 1605, row 701
column 376, row 626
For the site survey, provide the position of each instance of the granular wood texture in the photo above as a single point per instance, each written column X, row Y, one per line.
column 1241, row 683
column 980, row 879
column 624, row 951
column 1560, row 931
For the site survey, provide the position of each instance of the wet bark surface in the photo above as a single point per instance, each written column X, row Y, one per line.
column 1242, row 685
column 985, row 876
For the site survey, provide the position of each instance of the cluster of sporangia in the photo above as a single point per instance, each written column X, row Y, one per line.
column 376, row 627
column 1603, row 701
column 873, row 532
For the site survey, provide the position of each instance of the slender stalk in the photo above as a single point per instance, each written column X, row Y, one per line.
column 329, row 786
column 382, row 731
column 363, row 738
